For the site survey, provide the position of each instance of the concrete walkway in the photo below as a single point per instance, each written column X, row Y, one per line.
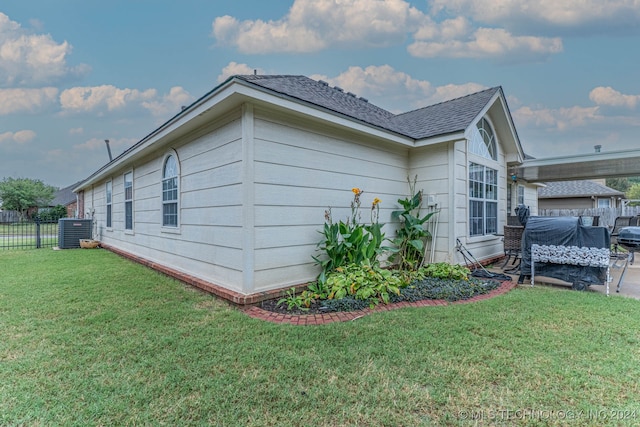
column 630, row 286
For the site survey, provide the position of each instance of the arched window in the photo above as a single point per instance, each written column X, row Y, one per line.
column 170, row 192
column 483, row 181
column 483, row 141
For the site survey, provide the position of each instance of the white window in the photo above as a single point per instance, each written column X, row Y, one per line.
column 109, row 195
column 170, row 192
column 520, row 195
column 604, row 203
column 128, row 201
column 483, row 200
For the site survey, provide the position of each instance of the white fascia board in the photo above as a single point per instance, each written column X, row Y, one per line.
column 440, row 139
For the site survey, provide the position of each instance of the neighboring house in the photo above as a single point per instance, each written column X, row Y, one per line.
column 231, row 192
column 578, row 195
column 67, row 198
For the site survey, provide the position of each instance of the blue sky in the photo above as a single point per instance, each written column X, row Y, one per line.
column 75, row 72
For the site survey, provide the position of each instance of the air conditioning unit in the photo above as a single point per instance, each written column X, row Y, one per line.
column 70, row 231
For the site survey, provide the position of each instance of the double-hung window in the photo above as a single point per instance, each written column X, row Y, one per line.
column 128, row 201
column 483, row 200
column 109, row 195
column 520, row 195
column 483, row 181
column 170, row 192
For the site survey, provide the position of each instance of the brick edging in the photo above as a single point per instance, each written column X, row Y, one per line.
column 321, row 319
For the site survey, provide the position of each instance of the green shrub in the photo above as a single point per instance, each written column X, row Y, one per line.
column 52, row 214
column 363, row 282
column 443, row 270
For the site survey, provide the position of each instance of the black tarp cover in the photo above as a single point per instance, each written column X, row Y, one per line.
column 563, row 231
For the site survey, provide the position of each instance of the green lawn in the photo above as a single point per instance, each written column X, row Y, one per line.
column 88, row 338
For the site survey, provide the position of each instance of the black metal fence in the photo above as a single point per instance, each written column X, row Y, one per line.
column 29, row 234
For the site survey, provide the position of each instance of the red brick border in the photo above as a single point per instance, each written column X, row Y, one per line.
column 321, row 319
column 217, row 290
column 245, row 301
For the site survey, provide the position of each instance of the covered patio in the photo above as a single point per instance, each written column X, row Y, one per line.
column 596, row 165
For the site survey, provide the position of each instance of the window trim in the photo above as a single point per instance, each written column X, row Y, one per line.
column 484, row 200
column 127, row 228
column 521, row 195
column 108, row 190
column 170, row 227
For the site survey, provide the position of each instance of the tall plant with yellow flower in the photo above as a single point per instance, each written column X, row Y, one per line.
column 350, row 241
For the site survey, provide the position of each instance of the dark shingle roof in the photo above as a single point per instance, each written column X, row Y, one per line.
column 561, row 189
column 439, row 119
column 446, row 117
column 65, row 196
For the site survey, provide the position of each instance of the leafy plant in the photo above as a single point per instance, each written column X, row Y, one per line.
column 350, row 242
column 293, row 301
column 443, row 270
column 411, row 237
column 364, row 282
column 317, row 290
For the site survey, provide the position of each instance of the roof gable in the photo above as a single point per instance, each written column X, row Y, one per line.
column 447, row 117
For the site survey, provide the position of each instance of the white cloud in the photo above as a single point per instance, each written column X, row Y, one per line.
column 26, row 100
column 611, row 97
column 561, row 119
column 451, row 91
column 233, row 68
column 170, row 104
column 313, row 25
column 396, row 90
column 118, row 145
column 585, row 15
column 76, row 131
column 456, row 39
column 20, row 137
column 102, row 98
column 32, row 59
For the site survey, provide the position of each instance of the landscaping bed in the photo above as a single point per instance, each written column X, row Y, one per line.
column 428, row 288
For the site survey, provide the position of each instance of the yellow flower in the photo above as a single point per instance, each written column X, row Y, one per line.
column 376, row 201
column 356, row 190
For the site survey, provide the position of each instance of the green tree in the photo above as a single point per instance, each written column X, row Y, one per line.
column 633, row 193
column 620, row 184
column 20, row 194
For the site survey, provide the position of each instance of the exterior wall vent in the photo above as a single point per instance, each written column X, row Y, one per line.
column 71, row 230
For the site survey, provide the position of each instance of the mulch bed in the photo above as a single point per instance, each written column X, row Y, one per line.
column 270, row 311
